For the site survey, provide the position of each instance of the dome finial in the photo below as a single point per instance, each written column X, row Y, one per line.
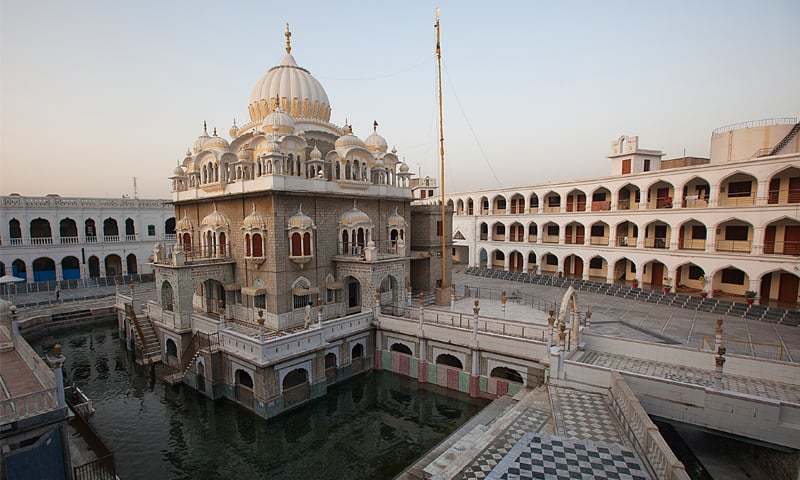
column 288, row 36
column 205, row 128
column 374, row 125
column 215, row 131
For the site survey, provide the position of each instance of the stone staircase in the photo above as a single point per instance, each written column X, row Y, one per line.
column 146, row 339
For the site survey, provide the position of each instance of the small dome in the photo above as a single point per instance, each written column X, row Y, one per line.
column 254, row 221
column 348, row 139
column 184, row 224
column 403, row 168
column 215, row 220
column 376, row 143
column 245, row 153
column 300, row 221
column 234, row 131
column 396, row 220
column 199, row 144
column 354, row 217
column 316, row 154
column 216, row 142
column 278, row 122
column 178, row 172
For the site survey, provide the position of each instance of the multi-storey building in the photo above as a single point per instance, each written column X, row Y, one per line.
column 288, row 237
column 727, row 225
column 64, row 238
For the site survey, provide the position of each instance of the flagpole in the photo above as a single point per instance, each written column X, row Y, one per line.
column 443, row 208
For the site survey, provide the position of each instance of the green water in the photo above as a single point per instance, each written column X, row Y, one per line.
column 372, row 427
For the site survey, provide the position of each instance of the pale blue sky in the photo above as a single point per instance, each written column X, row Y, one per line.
column 94, row 93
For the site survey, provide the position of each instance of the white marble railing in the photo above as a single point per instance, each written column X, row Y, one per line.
column 69, row 240
column 274, row 348
column 110, row 238
column 640, row 428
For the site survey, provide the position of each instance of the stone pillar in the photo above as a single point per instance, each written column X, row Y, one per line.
column 562, row 234
column 56, row 362
column 674, row 237
column 422, row 357
column 474, row 374
column 757, row 243
column 711, row 238
column 59, row 271
column 713, row 195
column 762, row 192
column 612, row 235
column 586, row 272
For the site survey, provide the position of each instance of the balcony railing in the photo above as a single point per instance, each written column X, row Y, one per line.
column 532, row 238
column 41, row 240
column 198, row 253
column 627, row 205
column 130, row 238
column 786, row 247
column 16, row 242
column 626, row 241
column 693, row 202
column 498, row 238
column 110, row 238
column 69, row 240
column 664, row 202
column 601, row 206
column 170, row 237
column 694, row 244
column 656, row 243
column 737, row 246
column 599, row 241
column 91, row 238
column 383, row 247
column 550, row 239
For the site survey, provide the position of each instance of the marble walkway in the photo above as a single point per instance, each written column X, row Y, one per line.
column 694, row 376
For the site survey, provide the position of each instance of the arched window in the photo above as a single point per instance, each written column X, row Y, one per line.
column 297, row 247
column 306, row 244
column 258, row 245
column 246, row 244
column 222, row 243
column 345, row 243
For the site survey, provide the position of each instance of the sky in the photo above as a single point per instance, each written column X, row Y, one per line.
column 93, row 94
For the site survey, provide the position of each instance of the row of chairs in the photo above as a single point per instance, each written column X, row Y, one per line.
column 680, row 300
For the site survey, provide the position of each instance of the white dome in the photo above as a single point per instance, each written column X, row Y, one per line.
column 403, row 168
column 354, row 217
column 278, row 122
column 184, row 224
column 216, row 142
column 178, row 171
column 316, row 154
column 348, row 139
column 254, row 221
column 215, row 220
column 200, row 143
column 300, row 221
column 376, row 143
column 301, row 95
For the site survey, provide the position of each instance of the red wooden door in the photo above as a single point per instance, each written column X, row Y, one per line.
column 657, row 275
column 794, row 190
column 791, row 240
column 774, row 190
column 577, row 267
column 787, row 293
column 570, row 199
column 769, row 239
column 568, row 233
column 626, row 166
column 580, row 234
column 766, row 284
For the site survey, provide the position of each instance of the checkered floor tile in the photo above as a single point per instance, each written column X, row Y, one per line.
column 537, row 456
column 530, row 420
column 585, row 416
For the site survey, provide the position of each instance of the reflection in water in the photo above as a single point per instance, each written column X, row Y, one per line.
column 370, row 427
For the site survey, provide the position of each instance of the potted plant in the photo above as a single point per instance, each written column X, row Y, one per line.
column 750, row 296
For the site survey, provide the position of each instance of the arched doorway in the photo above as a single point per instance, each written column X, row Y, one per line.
column 133, row 266
column 70, row 268
column 295, row 387
column 573, row 266
column 19, row 270
column 401, row 348
column 389, row 291
column 515, row 262
column 353, row 288
column 506, row 374
column 171, row 350
column 779, row 288
column 94, row 267
column 44, row 270
column 214, row 297
column 166, row 296
column 655, row 274
column 113, row 266
column 449, row 360
column 483, row 258
column 243, row 387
